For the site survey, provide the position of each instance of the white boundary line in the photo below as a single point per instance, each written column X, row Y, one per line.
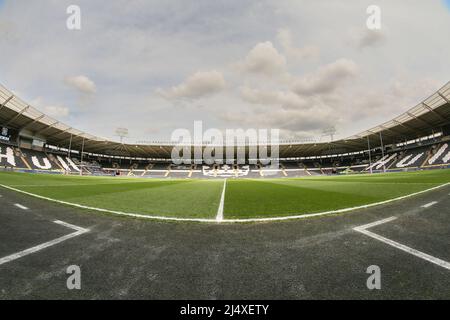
column 15, row 256
column 414, row 252
column 219, row 217
column 429, row 204
column 297, row 216
column 374, row 224
column 18, row 205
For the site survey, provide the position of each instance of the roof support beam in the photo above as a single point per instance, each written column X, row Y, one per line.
column 392, row 130
column 347, row 143
column 142, row 150
column 308, row 148
column 405, row 125
column 32, row 122
column 443, row 97
column 61, row 133
column 6, row 102
column 106, row 145
column 16, row 116
column 297, row 148
column 98, row 149
column 419, row 119
column 47, row 128
column 62, row 140
column 434, row 111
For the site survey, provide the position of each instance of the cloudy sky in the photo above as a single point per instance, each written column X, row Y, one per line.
column 155, row 66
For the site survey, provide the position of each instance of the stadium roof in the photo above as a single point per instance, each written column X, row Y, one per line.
column 422, row 120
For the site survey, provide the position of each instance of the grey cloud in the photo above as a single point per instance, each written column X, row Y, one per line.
column 327, row 78
column 371, row 38
column 264, row 59
column 198, row 85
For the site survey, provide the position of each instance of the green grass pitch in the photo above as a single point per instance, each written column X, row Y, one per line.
column 244, row 198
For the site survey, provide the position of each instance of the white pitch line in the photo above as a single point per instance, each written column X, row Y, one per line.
column 18, row 205
column 206, row 220
column 373, row 224
column 219, row 216
column 15, row 256
column 429, row 204
column 414, row 252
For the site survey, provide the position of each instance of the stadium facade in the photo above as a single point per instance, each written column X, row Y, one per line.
column 33, row 141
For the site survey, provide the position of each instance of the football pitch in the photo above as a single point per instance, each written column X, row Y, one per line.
column 241, row 199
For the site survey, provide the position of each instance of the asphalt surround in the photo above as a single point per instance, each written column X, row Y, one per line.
column 313, row 258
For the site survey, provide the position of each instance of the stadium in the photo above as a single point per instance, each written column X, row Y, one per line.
column 397, row 163
column 416, row 141
column 140, row 225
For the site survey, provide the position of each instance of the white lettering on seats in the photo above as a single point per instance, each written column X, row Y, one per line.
column 46, row 166
column 9, row 156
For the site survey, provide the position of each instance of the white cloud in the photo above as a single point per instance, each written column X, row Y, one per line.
column 327, row 78
column 200, row 84
column 264, row 59
column 82, row 83
column 57, row 112
column 284, row 37
column 278, row 98
column 413, row 90
column 291, row 122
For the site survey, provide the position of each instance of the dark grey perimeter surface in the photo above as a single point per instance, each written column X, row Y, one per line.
column 317, row 258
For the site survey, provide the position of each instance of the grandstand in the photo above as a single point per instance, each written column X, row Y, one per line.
column 34, row 142
column 256, row 155
column 311, row 180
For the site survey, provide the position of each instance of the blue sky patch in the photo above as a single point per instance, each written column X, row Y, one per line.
column 446, row 2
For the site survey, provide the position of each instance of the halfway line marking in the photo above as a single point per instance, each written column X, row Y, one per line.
column 219, row 216
column 15, row 256
column 429, row 204
column 414, row 252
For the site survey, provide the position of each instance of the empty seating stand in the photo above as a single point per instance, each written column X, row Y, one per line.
column 14, row 158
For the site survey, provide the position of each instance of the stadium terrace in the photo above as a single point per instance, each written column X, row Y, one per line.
column 34, row 142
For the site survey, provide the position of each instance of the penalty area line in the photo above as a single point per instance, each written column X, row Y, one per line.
column 78, row 231
column 414, row 252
